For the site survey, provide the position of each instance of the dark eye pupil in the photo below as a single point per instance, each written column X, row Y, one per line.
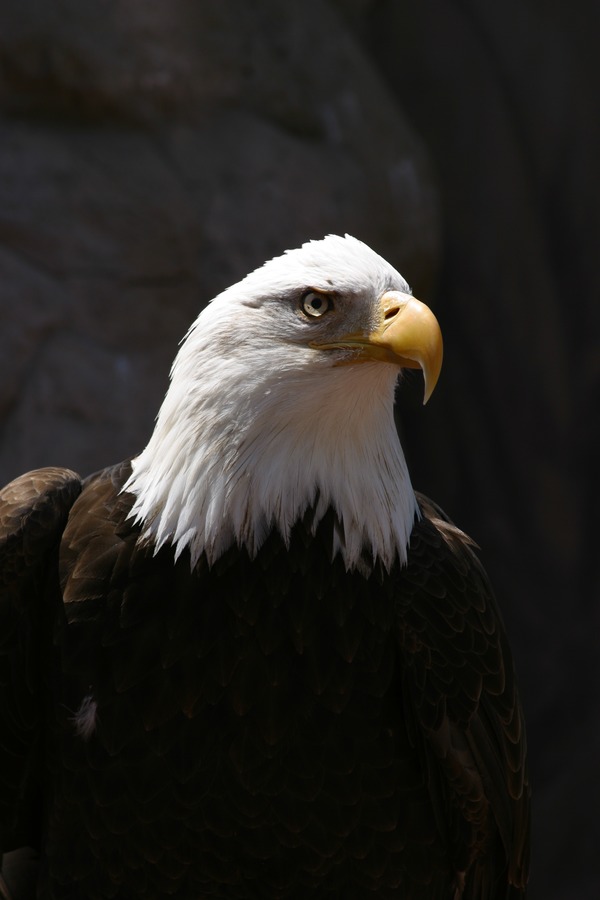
column 316, row 303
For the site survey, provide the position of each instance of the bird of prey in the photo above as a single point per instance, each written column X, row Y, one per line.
column 252, row 662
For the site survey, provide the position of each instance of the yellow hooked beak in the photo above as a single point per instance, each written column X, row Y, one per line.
column 408, row 335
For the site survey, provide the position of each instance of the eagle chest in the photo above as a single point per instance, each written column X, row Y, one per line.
column 263, row 650
column 248, row 702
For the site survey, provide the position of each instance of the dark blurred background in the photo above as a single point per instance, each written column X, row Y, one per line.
column 152, row 153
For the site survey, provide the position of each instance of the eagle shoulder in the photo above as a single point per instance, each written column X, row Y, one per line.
column 33, row 511
column 462, row 705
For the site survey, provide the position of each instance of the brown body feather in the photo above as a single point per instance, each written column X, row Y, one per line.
column 266, row 728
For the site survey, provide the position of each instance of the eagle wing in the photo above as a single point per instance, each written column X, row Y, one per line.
column 33, row 512
column 463, row 709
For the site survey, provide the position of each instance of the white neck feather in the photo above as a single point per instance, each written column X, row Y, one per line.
column 213, row 475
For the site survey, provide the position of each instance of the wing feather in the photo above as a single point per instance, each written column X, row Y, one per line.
column 33, row 512
column 463, row 708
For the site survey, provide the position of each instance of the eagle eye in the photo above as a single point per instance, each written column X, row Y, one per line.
column 315, row 305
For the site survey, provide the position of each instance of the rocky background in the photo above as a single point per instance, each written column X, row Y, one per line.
column 152, row 153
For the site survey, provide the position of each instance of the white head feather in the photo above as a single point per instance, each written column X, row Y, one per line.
column 257, row 425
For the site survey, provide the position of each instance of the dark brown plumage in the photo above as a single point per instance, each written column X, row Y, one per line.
column 362, row 735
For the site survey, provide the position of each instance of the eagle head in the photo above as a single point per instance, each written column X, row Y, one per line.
column 281, row 399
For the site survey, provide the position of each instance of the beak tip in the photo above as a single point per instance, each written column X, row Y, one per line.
column 431, row 380
column 431, row 366
column 427, row 394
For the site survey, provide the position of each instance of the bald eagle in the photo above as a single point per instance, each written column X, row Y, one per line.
column 252, row 662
